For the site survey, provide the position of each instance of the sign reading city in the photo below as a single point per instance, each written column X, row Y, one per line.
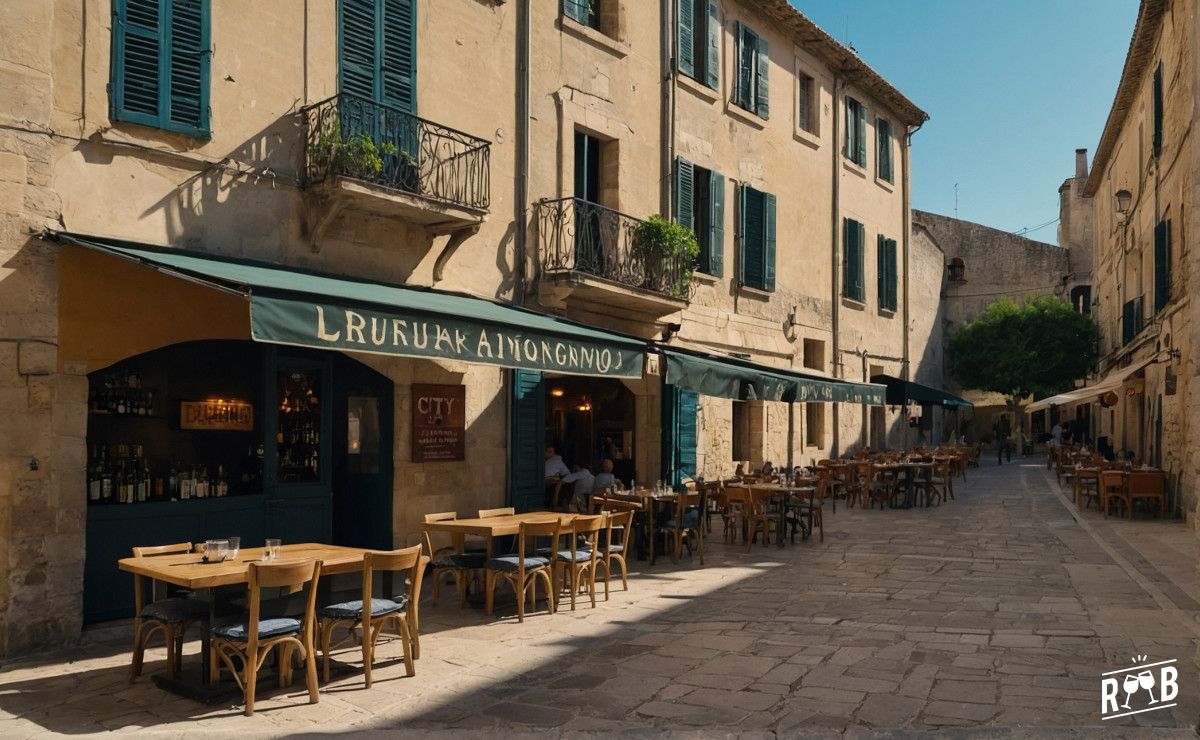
column 216, row 415
column 439, row 422
column 286, row 320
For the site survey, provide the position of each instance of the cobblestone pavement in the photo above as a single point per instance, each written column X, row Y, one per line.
column 999, row 610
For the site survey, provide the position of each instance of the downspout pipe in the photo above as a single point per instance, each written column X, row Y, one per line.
column 667, row 102
column 834, row 252
column 521, row 184
column 906, row 237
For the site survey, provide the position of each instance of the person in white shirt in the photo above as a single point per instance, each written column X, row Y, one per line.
column 605, row 480
column 555, row 467
column 583, row 483
column 1056, row 435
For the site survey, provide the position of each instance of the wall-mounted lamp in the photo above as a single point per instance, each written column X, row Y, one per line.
column 557, row 392
column 1123, row 199
column 670, row 330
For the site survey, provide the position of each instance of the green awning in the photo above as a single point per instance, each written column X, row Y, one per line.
column 309, row 309
column 729, row 377
column 900, row 392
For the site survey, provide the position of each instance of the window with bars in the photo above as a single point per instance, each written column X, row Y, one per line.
column 160, row 64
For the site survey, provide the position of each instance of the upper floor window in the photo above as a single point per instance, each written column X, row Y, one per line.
column 1162, row 264
column 756, row 211
column 700, row 206
column 886, row 275
column 586, row 12
column 856, row 132
column 160, row 64
column 699, row 41
column 377, row 55
column 751, row 89
column 1157, row 105
column 854, row 235
column 883, row 157
column 958, row 270
column 806, row 102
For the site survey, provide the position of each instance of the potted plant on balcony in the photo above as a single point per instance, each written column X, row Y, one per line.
column 667, row 254
column 356, row 155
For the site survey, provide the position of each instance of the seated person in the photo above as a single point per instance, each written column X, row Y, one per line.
column 555, row 467
column 739, row 471
column 768, row 470
column 583, row 483
column 606, row 480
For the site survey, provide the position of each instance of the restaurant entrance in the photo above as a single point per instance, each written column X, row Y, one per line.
column 589, row 420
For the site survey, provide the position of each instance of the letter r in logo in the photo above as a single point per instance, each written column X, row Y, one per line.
column 1108, row 696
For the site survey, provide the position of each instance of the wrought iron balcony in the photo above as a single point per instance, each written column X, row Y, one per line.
column 353, row 137
column 575, row 235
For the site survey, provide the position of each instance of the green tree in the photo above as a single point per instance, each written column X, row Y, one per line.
column 1040, row 348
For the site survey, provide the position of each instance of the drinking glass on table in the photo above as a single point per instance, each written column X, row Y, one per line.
column 235, row 544
column 271, row 552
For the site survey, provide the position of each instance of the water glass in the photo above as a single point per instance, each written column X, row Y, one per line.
column 235, row 544
column 272, row 550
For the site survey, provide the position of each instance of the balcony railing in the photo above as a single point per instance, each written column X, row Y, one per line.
column 351, row 136
column 1131, row 319
column 580, row 236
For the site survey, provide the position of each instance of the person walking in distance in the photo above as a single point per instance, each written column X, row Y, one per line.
column 1003, row 431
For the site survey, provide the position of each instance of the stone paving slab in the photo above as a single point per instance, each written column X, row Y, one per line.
column 992, row 616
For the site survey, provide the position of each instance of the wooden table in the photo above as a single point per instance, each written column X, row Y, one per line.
column 782, row 491
column 494, row 526
column 646, row 498
column 191, row 572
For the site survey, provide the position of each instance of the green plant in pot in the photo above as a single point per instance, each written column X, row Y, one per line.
column 667, row 254
column 356, row 155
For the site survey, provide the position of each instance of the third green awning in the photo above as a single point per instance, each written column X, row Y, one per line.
column 742, row 380
column 900, row 392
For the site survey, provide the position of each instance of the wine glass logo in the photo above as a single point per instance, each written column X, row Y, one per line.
column 1130, row 686
column 1144, row 675
column 1146, row 681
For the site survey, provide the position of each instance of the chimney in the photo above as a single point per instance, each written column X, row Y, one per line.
column 1081, row 167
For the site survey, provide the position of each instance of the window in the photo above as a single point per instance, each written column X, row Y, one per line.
column 853, row 238
column 1158, row 110
column 160, row 64
column 750, row 89
column 886, row 258
column 377, row 60
column 741, row 430
column 698, row 36
column 958, row 270
column 814, row 354
column 700, row 206
column 1131, row 320
column 806, row 103
column 586, row 12
column 814, row 424
column 756, row 211
column 1162, row 265
column 883, row 157
column 856, row 132
column 1081, row 299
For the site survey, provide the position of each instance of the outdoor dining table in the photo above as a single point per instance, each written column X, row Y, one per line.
column 492, row 527
column 781, row 492
column 648, row 500
column 189, row 571
column 910, row 467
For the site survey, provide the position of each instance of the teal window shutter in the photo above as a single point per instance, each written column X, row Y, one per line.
column 685, row 38
column 1158, row 109
column 161, row 64
column 853, row 235
column 768, row 242
column 747, row 61
column 881, row 269
column 887, row 273
column 861, row 242
column 883, row 157
column 1162, row 265
column 860, row 136
column 762, row 89
column 526, row 441
column 397, row 62
column 753, row 238
column 680, row 409
column 357, row 48
column 716, row 225
column 685, row 193
column 377, row 51
column 578, row 10
column 712, row 59
column 893, row 275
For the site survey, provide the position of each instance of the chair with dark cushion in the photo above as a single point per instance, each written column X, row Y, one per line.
column 615, row 543
column 686, row 520
column 578, row 559
column 372, row 614
column 448, row 561
column 166, row 613
column 522, row 570
column 244, row 646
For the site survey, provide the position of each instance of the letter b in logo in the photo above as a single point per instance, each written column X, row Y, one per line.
column 1168, row 683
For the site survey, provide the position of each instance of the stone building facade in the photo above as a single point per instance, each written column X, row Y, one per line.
column 1142, row 190
column 593, row 113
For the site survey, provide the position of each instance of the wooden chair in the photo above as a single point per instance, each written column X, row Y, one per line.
column 1150, row 486
column 813, row 511
column 829, row 486
column 1113, row 488
column 251, row 641
column 579, row 559
column 616, row 544
column 501, row 544
column 940, row 482
column 737, row 514
column 171, row 615
column 521, row 570
column 1087, row 486
column 881, row 486
column 858, row 484
column 687, row 518
column 373, row 614
column 757, row 519
column 448, row 561
column 502, row 511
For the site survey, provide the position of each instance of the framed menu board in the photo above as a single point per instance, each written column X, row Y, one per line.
column 439, row 421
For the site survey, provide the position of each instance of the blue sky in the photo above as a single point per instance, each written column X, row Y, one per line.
column 1012, row 88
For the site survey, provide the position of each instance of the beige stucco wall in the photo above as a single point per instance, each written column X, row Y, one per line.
column 1162, row 188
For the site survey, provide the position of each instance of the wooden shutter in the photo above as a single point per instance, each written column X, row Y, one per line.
column 762, row 89
column 685, row 193
column 679, row 411
column 577, row 10
column 397, row 63
column 746, row 46
column 1162, row 265
column 685, row 38
column 1158, row 109
column 377, row 52
column 357, row 48
column 860, row 135
column 716, row 224
column 712, row 59
column 752, row 240
column 160, row 64
column 892, row 276
column 881, row 269
column 1129, row 327
column 526, row 441
column 853, row 235
column 883, row 157
column 768, row 242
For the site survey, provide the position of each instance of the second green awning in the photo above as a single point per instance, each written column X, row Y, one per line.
column 730, row 377
column 900, row 392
